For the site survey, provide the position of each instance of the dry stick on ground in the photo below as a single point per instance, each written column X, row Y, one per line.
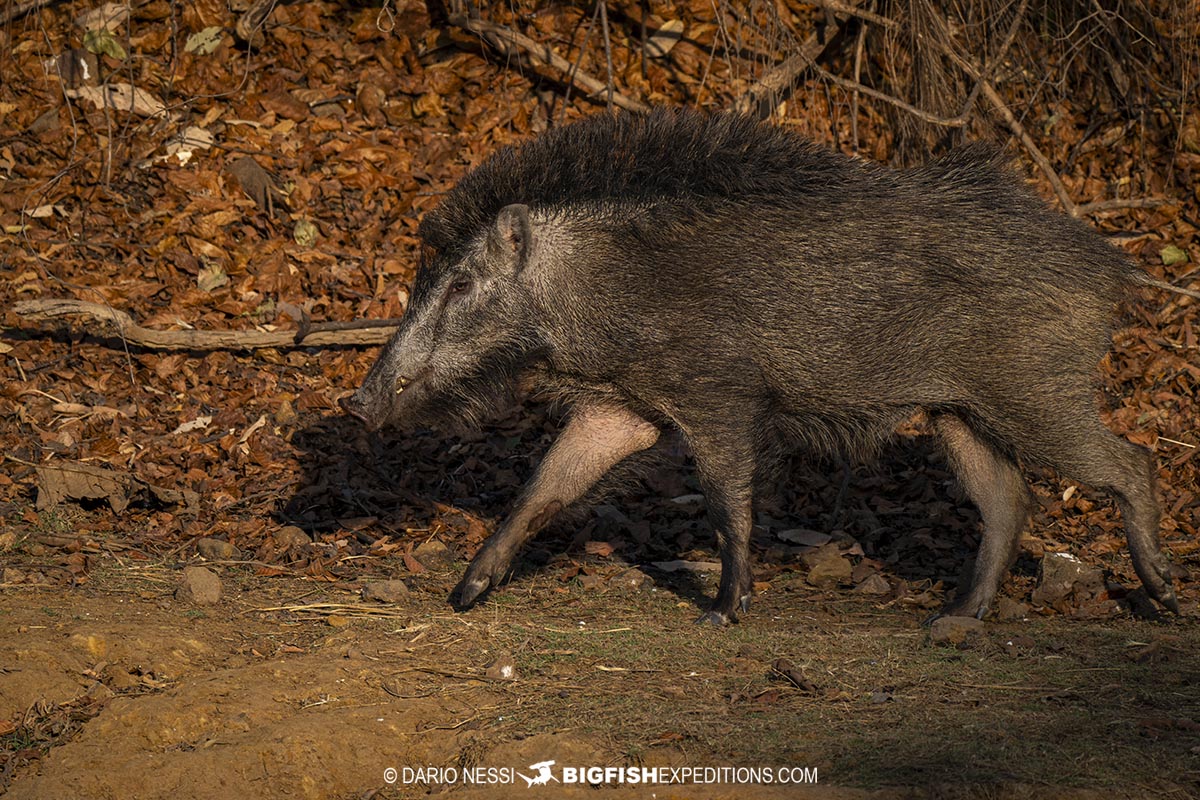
column 363, row 333
column 510, row 43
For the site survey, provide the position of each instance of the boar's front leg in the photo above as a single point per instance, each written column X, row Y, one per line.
column 596, row 438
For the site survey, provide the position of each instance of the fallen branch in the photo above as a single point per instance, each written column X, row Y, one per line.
column 849, row 9
column 765, row 94
column 511, row 43
column 355, row 334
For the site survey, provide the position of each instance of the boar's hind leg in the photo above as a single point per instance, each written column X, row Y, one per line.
column 1084, row 450
column 1000, row 492
column 727, row 478
column 596, row 438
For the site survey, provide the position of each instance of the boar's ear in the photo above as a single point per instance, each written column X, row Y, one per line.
column 511, row 237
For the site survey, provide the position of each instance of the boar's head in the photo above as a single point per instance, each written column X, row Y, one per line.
column 467, row 332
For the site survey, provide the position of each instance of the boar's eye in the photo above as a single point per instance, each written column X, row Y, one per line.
column 458, row 288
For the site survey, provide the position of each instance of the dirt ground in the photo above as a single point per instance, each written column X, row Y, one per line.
column 289, row 689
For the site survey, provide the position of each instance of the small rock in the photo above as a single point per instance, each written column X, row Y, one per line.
column 433, row 554
column 1008, row 610
column 826, row 567
column 873, row 584
column 784, row 668
column 863, row 570
column 118, row 678
column 199, row 586
column 591, row 582
column 1062, row 575
column 12, row 575
column 953, row 630
column 502, row 669
column 285, row 414
column 290, row 537
column 630, row 580
column 337, row 621
column 216, row 550
column 385, row 591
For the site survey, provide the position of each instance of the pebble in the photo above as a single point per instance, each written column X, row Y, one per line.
column 826, row 567
column 502, row 669
column 433, row 555
column 954, row 630
column 1062, row 575
column 873, row 584
column 217, row 550
column 290, row 537
column 394, row 591
column 199, row 586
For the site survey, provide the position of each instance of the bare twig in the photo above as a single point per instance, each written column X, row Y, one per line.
column 1169, row 287
column 608, row 62
column 322, row 335
column 1101, row 206
column 763, row 96
column 981, row 76
column 1039, row 158
column 509, row 42
column 1010, row 119
column 957, row 121
column 858, row 60
column 851, row 11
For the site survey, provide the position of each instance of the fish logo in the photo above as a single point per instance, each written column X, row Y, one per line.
column 543, row 777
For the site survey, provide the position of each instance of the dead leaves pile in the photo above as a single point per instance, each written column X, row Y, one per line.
column 151, row 163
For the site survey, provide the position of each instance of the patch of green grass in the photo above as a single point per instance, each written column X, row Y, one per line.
column 55, row 520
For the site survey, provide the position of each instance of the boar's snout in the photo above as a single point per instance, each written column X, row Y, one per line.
column 356, row 406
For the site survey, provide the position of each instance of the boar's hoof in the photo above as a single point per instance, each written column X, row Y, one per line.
column 1158, row 581
column 722, row 618
column 1166, row 596
column 715, row 618
column 469, row 590
column 487, row 570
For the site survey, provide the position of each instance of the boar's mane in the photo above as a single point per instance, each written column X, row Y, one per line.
column 687, row 158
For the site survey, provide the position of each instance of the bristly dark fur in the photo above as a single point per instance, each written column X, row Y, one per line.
column 732, row 281
column 633, row 160
column 691, row 161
